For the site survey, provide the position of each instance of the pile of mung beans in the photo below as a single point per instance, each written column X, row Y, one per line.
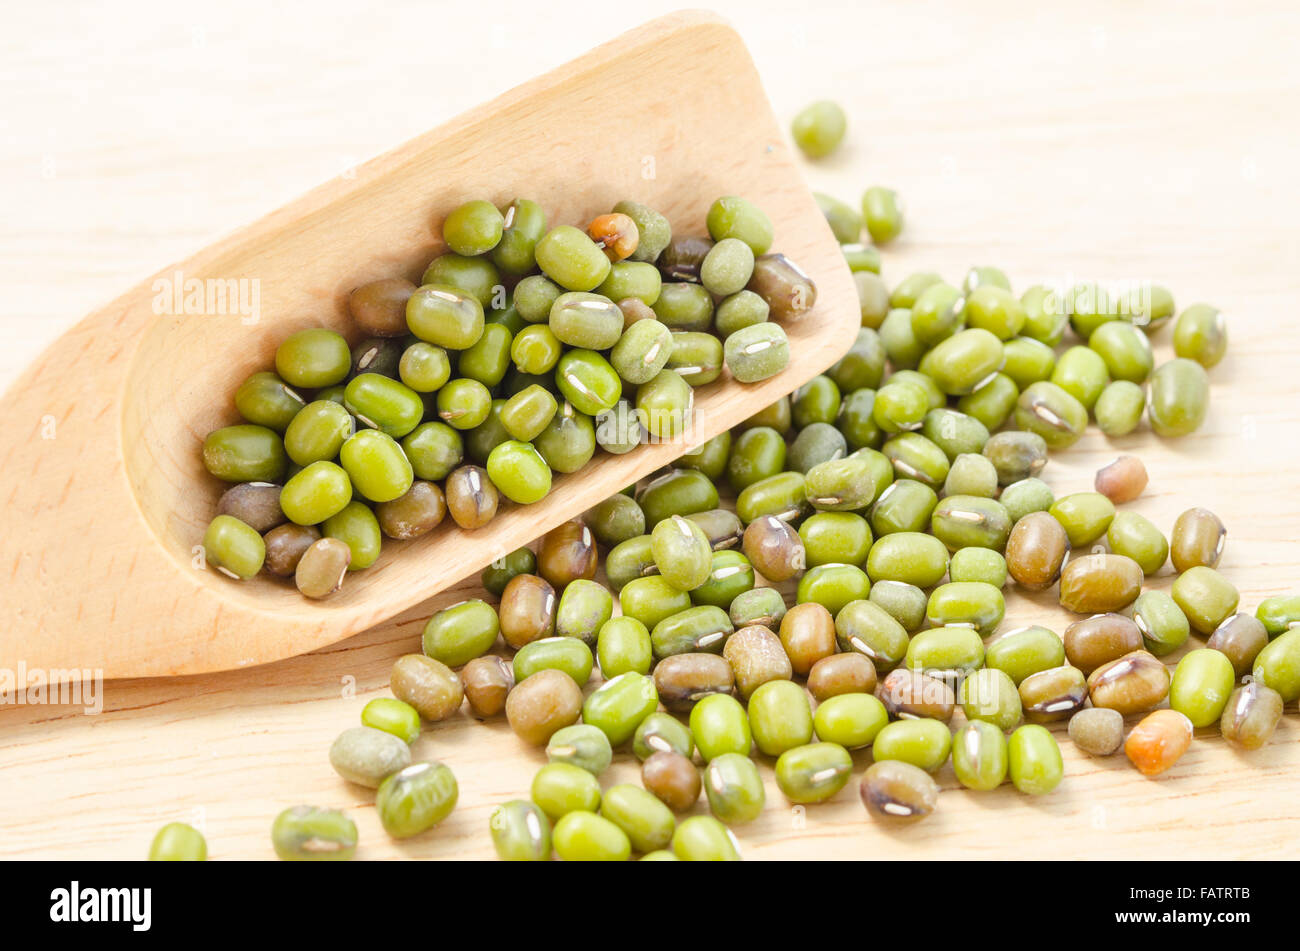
column 522, row 351
column 894, row 497
column 895, row 507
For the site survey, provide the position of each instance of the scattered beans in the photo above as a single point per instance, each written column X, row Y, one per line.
column 1278, row 665
column 620, row 704
column 416, row 799
column 923, row 743
column 659, row 732
column 704, row 839
column 567, row 553
column 734, row 788
column 178, row 842
column 392, row 716
column 866, row 488
column 774, row 548
column 256, row 504
column 527, row 610
column 1025, row 651
column 1163, row 625
column 1278, row 614
column 780, row 717
column 285, row 546
column 990, row 695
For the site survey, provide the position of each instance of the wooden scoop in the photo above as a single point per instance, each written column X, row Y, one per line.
column 104, row 494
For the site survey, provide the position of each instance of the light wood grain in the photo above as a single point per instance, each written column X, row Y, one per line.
column 101, row 468
column 1120, row 141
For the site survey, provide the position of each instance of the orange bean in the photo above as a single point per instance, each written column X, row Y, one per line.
column 1158, row 741
column 616, row 234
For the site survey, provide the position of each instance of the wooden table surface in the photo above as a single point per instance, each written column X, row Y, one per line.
column 1153, row 141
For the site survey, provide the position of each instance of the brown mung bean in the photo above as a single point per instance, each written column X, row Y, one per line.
column 1251, row 716
column 285, row 546
column 419, row 511
column 322, row 567
column 1093, row 641
column 1133, row 683
column 426, row 684
column 672, row 778
column 722, row 527
column 487, row 681
column 256, row 504
column 682, row 258
column 471, row 497
column 527, row 610
column 1053, row 694
column 634, row 309
column 839, row 674
column 567, row 553
column 1101, row 582
column 774, row 548
column 892, row 789
column 683, row 680
column 808, row 635
column 1197, row 539
column 756, row 657
column 1036, row 551
column 1123, row 480
column 788, row 291
column 1240, row 638
column 910, row 694
column 379, row 308
column 542, row 703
